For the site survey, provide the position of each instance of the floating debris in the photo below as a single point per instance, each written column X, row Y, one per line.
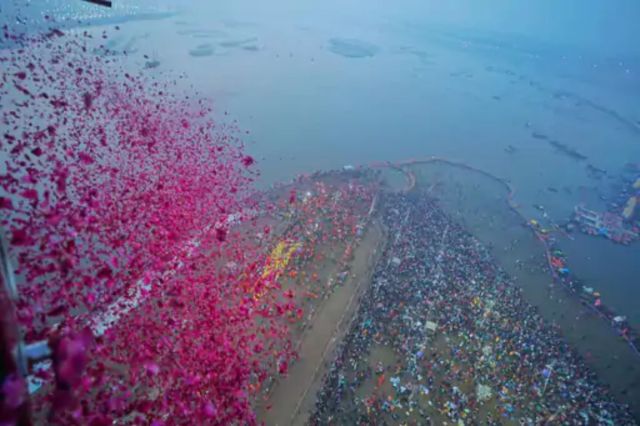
column 541, row 136
column 565, row 149
column 561, row 147
column 595, row 172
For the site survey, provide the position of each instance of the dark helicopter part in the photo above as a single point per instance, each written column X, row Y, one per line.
column 106, row 3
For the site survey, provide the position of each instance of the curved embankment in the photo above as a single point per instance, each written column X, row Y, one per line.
column 402, row 166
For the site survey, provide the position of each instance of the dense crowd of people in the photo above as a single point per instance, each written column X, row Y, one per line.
column 467, row 347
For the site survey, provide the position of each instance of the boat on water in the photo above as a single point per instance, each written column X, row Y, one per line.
column 606, row 224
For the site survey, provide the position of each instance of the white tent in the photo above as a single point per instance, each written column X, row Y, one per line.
column 483, row 392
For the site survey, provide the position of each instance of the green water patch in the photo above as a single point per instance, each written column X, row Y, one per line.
column 239, row 43
column 480, row 203
column 352, row 48
column 202, row 50
column 423, row 56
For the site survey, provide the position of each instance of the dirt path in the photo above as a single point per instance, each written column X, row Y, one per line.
column 293, row 397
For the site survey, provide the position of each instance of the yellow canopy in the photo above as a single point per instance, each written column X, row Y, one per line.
column 279, row 258
column 630, row 208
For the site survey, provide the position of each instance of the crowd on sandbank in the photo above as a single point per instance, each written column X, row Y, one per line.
column 468, row 349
